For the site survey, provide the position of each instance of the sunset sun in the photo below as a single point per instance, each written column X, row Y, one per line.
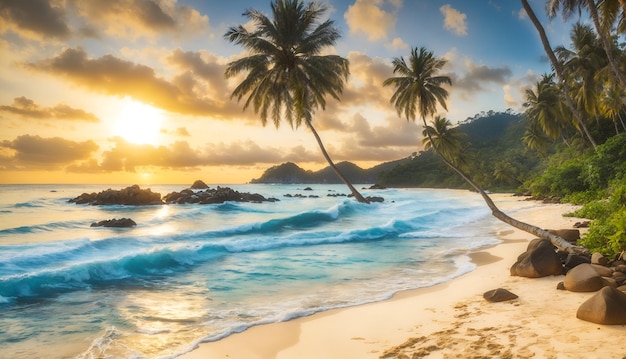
column 139, row 123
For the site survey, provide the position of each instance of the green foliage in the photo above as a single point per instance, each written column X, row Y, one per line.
column 608, row 162
column 607, row 233
column 597, row 180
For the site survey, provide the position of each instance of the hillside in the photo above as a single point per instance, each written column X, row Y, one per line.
column 493, row 137
column 289, row 173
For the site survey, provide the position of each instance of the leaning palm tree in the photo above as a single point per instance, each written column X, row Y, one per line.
column 418, row 91
column 287, row 78
column 556, row 65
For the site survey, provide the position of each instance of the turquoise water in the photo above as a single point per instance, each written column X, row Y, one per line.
column 193, row 273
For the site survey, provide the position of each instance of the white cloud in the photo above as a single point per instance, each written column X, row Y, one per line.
column 454, row 20
column 397, row 44
column 370, row 18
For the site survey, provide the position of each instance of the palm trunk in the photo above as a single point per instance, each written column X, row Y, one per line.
column 557, row 241
column 557, row 68
column 354, row 191
column 622, row 121
column 605, row 43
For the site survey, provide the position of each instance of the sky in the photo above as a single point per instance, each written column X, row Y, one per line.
column 133, row 91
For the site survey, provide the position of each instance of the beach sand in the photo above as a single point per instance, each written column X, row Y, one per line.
column 450, row 320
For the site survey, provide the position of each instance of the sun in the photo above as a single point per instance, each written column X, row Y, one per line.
column 139, row 123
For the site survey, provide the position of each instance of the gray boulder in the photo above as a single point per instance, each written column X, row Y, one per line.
column 540, row 260
column 608, row 306
column 583, row 278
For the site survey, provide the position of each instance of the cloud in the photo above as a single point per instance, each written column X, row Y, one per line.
column 515, row 90
column 454, row 20
column 116, row 77
column 395, row 140
column 397, row 44
column 476, row 77
column 60, row 20
column 369, row 17
column 367, row 75
column 37, row 19
column 207, row 67
column 35, row 152
column 27, row 109
column 180, row 131
column 124, row 156
column 134, row 18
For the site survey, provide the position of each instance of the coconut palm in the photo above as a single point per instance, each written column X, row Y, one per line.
column 613, row 15
column 612, row 105
column 544, row 107
column 418, row 91
column 570, row 7
column 450, row 141
column 584, row 67
column 286, row 77
column 556, row 65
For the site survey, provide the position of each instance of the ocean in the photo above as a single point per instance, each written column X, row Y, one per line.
column 193, row 273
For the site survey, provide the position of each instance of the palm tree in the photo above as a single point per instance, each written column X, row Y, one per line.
column 505, row 171
column 613, row 14
column 584, row 67
column 535, row 139
column 544, row 107
column 556, row 65
column 287, row 78
column 448, row 139
column 418, row 90
column 611, row 105
column 569, row 7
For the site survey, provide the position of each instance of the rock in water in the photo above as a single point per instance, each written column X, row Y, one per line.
column 117, row 223
column 608, row 306
column 199, row 184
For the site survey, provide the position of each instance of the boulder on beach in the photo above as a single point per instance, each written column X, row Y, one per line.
column 499, row 295
column 116, row 223
column 608, row 306
column 540, row 260
column 583, row 278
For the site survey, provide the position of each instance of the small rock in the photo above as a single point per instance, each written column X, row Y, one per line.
column 598, row 258
column 499, row 295
column 116, row 223
column 583, row 224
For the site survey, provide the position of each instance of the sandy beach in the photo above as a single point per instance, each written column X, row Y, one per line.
column 450, row 320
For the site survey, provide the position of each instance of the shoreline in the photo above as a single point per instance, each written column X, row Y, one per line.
column 447, row 319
